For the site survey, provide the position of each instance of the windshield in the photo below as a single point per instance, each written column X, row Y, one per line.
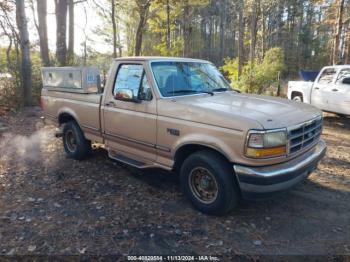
column 184, row 78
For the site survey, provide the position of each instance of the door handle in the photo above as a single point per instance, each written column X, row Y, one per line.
column 334, row 90
column 111, row 103
column 317, row 88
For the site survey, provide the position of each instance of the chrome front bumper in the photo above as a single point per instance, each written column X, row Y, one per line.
column 255, row 181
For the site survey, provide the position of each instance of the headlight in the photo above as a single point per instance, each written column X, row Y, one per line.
column 266, row 143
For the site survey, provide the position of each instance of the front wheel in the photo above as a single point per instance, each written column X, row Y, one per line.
column 208, row 182
column 74, row 142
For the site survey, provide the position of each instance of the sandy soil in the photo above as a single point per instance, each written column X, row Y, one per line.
column 50, row 204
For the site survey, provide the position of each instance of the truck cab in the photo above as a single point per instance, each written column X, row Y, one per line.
column 329, row 92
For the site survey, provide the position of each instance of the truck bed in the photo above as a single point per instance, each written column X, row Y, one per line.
column 300, row 84
column 73, row 92
column 84, row 107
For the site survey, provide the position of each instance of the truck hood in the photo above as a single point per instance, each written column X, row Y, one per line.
column 226, row 108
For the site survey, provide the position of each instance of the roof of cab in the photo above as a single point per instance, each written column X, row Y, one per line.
column 160, row 58
column 337, row 66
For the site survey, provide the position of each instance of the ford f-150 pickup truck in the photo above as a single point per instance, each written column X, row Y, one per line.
column 181, row 115
column 329, row 92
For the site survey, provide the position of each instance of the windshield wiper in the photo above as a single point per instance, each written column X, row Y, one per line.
column 221, row 89
column 189, row 91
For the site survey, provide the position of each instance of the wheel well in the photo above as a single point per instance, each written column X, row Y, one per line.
column 296, row 93
column 65, row 118
column 185, row 151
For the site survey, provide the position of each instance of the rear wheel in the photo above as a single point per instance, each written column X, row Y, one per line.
column 74, row 142
column 207, row 180
column 298, row 98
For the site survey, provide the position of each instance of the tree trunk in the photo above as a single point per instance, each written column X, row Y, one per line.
column 240, row 38
column 42, row 31
column 209, row 38
column 338, row 32
column 279, row 22
column 143, row 8
column 70, row 52
column 288, row 44
column 168, row 46
column 204, row 51
column 120, row 50
column 114, row 26
column 299, row 46
column 347, row 54
column 139, row 33
column 263, row 37
column 222, row 29
column 61, row 34
column 253, row 31
column 186, row 29
column 26, row 68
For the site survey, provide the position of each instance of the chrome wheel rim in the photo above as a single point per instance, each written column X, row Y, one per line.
column 71, row 141
column 203, row 185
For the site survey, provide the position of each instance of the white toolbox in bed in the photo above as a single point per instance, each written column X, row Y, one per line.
column 71, row 79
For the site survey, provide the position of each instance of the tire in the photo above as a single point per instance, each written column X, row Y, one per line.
column 220, row 173
column 298, row 98
column 74, row 142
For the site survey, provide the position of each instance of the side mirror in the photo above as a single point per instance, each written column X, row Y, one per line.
column 126, row 95
column 346, row 80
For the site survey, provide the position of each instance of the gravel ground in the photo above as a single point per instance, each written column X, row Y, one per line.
column 52, row 205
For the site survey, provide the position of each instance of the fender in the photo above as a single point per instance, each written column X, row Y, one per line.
column 69, row 111
column 214, row 143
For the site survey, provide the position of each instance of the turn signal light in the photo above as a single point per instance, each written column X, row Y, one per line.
column 266, row 152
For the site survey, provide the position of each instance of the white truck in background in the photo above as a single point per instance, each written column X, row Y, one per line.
column 329, row 92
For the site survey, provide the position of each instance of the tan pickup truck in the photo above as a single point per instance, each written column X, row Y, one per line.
column 181, row 114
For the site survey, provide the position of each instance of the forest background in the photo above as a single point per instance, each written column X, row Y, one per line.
column 258, row 45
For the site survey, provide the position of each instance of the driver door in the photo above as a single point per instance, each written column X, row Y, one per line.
column 339, row 99
column 322, row 89
column 130, row 126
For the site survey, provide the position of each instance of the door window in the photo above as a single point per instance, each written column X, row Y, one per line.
column 327, row 76
column 145, row 92
column 133, row 77
column 344, row 73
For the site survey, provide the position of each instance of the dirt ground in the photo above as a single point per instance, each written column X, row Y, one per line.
column 52, row 205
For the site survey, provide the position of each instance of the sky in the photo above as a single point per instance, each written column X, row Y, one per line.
column 91, row 22
column 80, row 22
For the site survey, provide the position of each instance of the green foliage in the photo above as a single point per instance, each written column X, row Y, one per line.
column 102, row 61
column 258, row 76
column 3, row 62
column 157, row 27
column 10, row 97
column 36, row 76
column 230, row 69
column 10, row 92
column 11, row 88
column 175, row 50
column 302, row 30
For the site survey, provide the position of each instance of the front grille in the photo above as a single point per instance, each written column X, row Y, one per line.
column 304, row 135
